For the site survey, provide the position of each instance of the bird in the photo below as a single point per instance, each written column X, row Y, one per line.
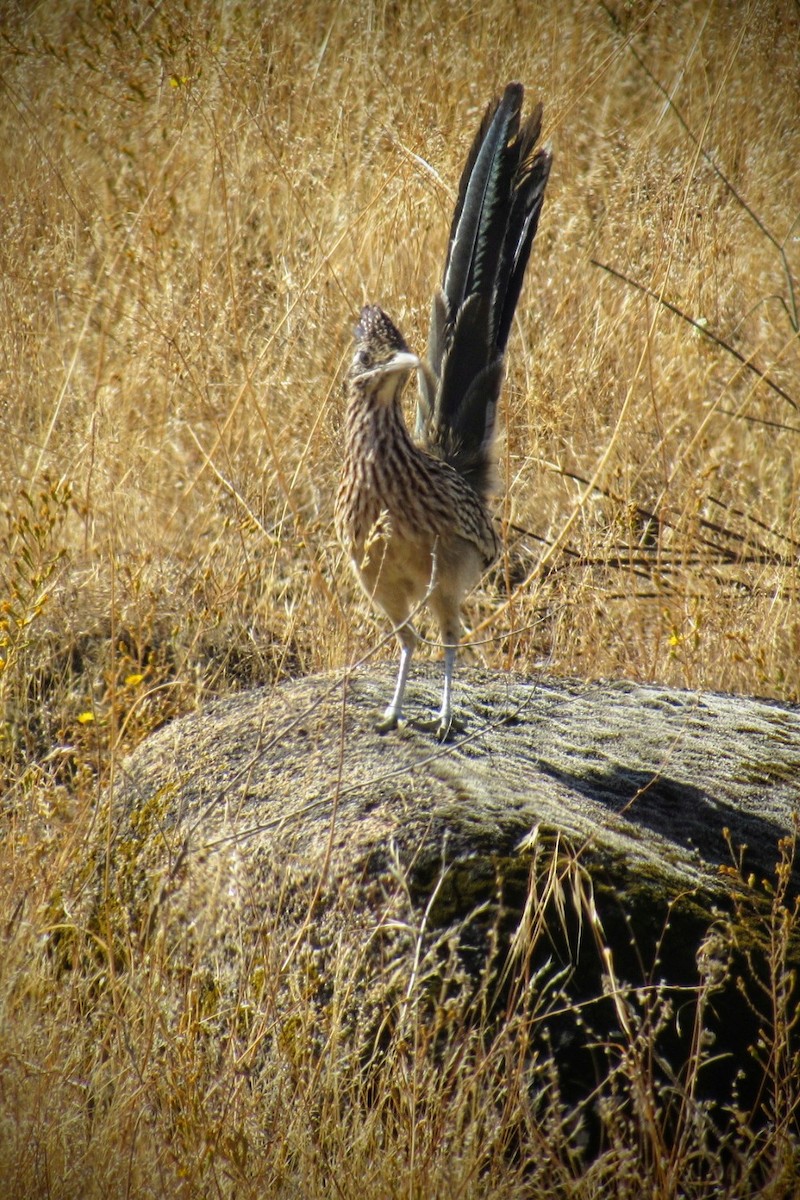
column 413, row 513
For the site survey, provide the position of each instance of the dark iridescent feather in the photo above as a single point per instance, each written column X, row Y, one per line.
column 497, row 211
column 529, row 186
column 478, row 232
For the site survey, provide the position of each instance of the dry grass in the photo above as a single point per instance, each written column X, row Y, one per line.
column 196, row 200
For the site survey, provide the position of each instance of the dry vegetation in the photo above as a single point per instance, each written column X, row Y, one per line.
column 196, row 199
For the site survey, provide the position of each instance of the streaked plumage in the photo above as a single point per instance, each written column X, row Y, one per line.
column 413, row 516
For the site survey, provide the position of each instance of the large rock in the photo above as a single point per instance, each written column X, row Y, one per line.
column 625, row 835
column 664, row 787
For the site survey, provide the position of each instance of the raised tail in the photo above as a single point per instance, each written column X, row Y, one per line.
column 497, row 211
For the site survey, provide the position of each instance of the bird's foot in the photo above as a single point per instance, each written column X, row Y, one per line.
column 390, row 720
column 444, row 725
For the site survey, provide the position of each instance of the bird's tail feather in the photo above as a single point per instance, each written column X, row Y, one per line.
column 497, row 211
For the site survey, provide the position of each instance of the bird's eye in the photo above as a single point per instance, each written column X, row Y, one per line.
column 362, row 358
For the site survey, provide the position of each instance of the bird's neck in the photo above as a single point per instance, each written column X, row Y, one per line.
column 375, row 422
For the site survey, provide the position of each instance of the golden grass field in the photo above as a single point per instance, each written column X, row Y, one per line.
column 196, row 199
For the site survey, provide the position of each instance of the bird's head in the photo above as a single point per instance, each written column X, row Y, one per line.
column 381, row 353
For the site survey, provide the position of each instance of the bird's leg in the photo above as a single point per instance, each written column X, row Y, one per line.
column 447, row 611
column 408, row 639
column 445, row 721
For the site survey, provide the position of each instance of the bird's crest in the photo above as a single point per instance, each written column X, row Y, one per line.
column 377, row 332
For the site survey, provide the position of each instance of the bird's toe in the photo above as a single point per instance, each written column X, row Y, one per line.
column 389, row 721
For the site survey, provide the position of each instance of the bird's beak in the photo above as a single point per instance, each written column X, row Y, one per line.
column 401, row 360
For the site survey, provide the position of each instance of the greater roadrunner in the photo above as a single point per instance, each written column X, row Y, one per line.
column 413, row 515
